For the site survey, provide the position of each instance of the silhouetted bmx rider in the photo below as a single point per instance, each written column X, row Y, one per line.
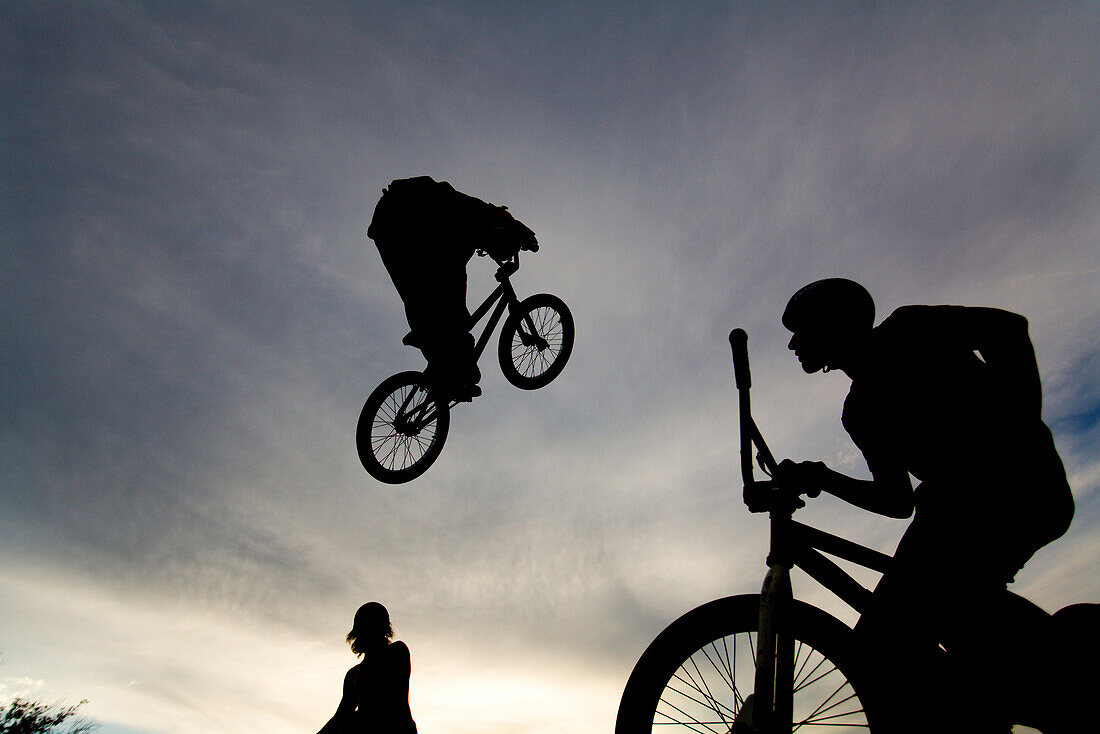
column 426, row 232
column 952, row 396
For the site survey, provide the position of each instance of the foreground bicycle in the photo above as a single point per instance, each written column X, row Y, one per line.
column 405, row 420
column 769, row 663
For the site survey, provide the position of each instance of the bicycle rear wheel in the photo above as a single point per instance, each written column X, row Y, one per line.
column 536, row 341
column 401, row 429
column 694, row 677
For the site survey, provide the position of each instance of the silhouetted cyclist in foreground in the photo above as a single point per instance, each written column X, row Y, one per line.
column 950, row 395
column 426, row 232
column 375, row 698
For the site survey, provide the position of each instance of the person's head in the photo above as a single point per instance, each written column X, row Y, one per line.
column 828, row 319
column 370, row 627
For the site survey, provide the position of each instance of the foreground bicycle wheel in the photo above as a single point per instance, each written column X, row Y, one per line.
column 696, row 675
column 401, row 429
column 536, row 341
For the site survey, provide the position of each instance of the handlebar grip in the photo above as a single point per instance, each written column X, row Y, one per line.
column 739, row 343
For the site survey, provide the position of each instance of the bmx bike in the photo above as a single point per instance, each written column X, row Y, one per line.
column 770, row 663
column 405, row 420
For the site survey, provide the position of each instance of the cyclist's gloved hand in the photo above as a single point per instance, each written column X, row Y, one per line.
column 805, row 476
column 756, row 494
column 526, row 237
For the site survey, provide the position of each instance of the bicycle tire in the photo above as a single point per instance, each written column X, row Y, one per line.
column 688, row 679
column 395, row 445
column 530, row 366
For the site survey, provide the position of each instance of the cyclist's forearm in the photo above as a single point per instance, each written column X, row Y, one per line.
column 893, row 499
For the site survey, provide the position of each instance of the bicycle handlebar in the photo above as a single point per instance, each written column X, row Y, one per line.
column 765, row 495
column 739, row 342
column 507, row 268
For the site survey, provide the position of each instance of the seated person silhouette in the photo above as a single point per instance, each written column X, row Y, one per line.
column 426, row 233
column 951, row 396
column 376, row 691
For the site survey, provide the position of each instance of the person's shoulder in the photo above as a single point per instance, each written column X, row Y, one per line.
column 421, row 185
column 398, row 655
column 413, row 181
column 916, row 313
column 906, row 320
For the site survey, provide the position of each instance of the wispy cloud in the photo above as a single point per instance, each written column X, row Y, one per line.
column 193, row 317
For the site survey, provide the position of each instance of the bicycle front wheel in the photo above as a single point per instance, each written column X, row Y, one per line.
column 536, row 341
column 695, row 675
column 401, row 429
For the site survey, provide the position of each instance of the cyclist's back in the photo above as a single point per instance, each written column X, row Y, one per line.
column 969, row 428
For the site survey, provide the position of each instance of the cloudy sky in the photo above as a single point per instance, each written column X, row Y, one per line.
column 192, row 318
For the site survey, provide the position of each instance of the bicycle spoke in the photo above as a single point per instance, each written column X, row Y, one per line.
column 823, row 707
column 395, row 448
column 691, row 719
column 540, row 324
column 738, row 699
column 805, row 661
column 704, row 700
column 715, row 705
column 815, row 680
column 802, row 678
column 704, row 695
column 729, row 682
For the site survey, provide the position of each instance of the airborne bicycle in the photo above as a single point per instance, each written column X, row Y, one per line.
column 770, row 663
column 404, row 422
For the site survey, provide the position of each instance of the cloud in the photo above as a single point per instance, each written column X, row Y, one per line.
column 193, row 317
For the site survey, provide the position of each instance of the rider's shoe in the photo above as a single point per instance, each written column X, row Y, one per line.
column 464, row 393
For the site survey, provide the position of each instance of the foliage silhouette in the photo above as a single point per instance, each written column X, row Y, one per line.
column 23, row 716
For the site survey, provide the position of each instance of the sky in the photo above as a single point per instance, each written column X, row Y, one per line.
column 192, row 317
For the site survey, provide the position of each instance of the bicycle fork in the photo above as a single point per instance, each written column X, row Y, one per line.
column 771, row 710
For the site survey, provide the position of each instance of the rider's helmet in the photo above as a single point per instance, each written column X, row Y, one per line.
column 833, row 303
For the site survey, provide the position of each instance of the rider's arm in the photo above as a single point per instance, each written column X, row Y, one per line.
column 889, row 492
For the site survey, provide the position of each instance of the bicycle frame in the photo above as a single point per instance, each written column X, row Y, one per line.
column 504, row 296
column 792, row 544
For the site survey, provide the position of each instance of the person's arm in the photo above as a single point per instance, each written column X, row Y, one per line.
column 402, row 670
column 889, row 492
column 335, row 725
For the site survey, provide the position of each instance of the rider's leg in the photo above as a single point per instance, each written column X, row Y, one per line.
column 936, row 583
column 898, row 652
column 439, row 316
